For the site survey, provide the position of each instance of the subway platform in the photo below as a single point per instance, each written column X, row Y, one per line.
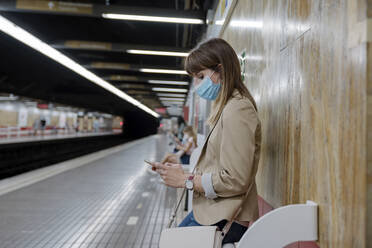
column 106, row 199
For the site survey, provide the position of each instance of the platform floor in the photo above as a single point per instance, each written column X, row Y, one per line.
column 112, row 202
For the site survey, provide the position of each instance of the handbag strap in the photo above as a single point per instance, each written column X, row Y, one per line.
column 173, row 216
column 227, row 227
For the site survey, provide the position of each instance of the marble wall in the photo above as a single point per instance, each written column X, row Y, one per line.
column 306, row 66
column 369, row 134
column 369, row 125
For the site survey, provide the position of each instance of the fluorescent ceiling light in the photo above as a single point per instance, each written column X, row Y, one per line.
column 163, row 71
column 171, row 95
column 169, row 89
column 171, row 99
column 25, row 37
column 172, row 103
column 220, row 22
column 168, row 82
column 252, row 57
column 9, row 98
column 247, row 24
column 162, row 53
column 152, row 18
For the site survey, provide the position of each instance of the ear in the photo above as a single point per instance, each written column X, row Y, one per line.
column 219, row 68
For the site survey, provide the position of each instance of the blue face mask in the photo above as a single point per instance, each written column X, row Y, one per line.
column 207, row 89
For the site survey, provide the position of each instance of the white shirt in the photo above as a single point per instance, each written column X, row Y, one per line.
column 193, row 146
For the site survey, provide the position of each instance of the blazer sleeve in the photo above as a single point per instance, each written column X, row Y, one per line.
column 235, row 174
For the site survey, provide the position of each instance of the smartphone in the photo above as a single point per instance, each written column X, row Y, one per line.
column 148, row 162
column 152, row 167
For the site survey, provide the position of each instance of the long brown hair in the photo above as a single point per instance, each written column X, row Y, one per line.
column 211, row 54
column 191, row 132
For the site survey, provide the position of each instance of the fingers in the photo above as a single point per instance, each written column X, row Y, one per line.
column 158, row 165
column 165, row 166
column 161, row 172
column 173, row 165
column 164, row 169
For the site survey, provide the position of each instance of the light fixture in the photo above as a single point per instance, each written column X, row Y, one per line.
column 171, row 103
column 171, row 99
column 25, row 37
column 152, row 18
column 251, row 57
column 220, row 22
column 171, row 95
column 162, row 71
column 161, row 53
column 11, row 97
column 254, row 57
column 246, row 24
column 168, row 82
column 169, row 89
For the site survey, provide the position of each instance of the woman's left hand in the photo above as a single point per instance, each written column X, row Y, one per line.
column 172, row 174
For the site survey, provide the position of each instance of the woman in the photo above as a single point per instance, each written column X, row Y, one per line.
column 187, row 147
column 224, row 178
column 184, row 149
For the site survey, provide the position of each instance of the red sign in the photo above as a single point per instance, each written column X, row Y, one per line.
column 186, row 113
column 161, row 110
column 42, row 106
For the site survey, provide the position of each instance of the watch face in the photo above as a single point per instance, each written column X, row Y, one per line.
column 189, row 184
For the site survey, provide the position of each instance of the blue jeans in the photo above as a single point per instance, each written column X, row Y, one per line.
column 189, row 221
column 185, row 159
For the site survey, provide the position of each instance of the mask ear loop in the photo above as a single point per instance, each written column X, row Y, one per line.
column 211, row 77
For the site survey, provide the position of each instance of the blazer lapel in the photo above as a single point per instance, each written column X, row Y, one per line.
column 206, row 140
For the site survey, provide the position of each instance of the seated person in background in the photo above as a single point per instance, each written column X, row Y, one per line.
column 184, row 149
column 176, row 140
column 187, row 147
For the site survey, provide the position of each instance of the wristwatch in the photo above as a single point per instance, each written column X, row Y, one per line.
column 189, row 184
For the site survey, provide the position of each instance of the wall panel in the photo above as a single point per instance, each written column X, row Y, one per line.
column 8, row 118
column 307, row 70
column 369, row 144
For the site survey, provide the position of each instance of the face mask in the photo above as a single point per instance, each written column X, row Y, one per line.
column 207, row 89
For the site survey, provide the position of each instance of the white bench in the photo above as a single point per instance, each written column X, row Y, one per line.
column 281, row 227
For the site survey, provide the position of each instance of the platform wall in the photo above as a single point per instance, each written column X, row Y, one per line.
column 306, row 66
column 369, row 127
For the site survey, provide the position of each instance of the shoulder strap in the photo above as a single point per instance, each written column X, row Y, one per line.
column 236, row 213
column 173, row 216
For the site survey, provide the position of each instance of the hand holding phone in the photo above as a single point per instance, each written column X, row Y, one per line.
column 150, row 163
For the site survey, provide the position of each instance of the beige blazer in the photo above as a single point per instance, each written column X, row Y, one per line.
column 231, row 153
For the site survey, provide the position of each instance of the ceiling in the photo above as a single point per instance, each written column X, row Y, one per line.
column 78, row 30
